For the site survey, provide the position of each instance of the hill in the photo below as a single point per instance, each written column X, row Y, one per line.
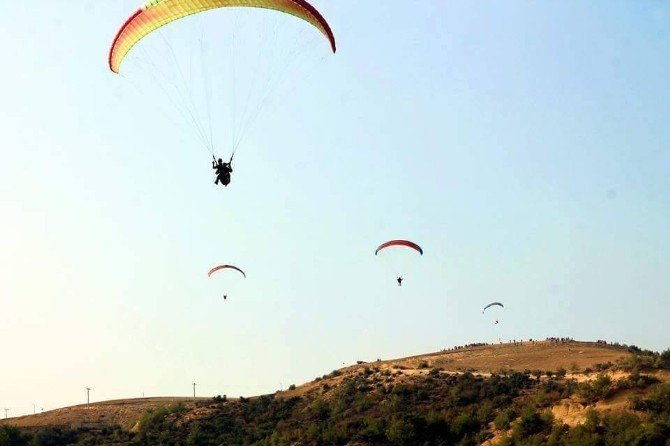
column 480, row 394
column 124, row 413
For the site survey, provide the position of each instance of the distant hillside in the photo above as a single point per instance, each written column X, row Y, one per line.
column 124, row 413
column 548, row 392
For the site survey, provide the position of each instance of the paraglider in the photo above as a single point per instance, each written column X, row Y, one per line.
column 493, row 304
column 225, row 267
column 157, row 13
column 182, row 86
column 404, row 244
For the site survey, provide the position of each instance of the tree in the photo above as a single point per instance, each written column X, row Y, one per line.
column 665, row 359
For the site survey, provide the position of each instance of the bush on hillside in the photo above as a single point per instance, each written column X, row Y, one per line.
column 401, row 433
column 504, row 419
column 154, row 419
column 664, row 362
column 532, row 423
column 657, row 401
column 11, row 436
column 595, row 390
column 435, row 372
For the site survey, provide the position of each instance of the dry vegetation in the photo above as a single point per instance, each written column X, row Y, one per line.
column 124, row 413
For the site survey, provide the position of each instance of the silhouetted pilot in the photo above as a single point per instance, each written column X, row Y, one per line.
column 223, row 171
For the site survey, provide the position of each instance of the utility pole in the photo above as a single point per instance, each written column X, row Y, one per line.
column 6, row 410
column 34, row 409
column 194, row 384
column 88, row 399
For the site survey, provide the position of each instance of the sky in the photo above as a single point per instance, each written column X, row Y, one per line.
column 523, row 145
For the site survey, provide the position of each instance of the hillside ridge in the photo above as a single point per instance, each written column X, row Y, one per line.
column 481, row 358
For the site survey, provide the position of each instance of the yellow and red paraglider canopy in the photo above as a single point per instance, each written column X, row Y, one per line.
column 157, row 13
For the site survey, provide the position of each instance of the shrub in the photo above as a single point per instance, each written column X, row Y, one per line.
column 196, row 436
column 401, row 432
column 464, row 424
column 657, row 402
column 503, row 419
column 11, row 436
column 372, row 432
column 154, row 418
column 291, row 387
column 634, row 349
column 640, row 362
column 598, row 389
column 51, row 436
column 664, row 362
column 435, row 372
column 636, row 380
column 320, row 410
column 532, row 422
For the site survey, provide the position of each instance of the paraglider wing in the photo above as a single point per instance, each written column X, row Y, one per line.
column 220, row 267
column 492, row 305
column 157, row 13
column 406, row 243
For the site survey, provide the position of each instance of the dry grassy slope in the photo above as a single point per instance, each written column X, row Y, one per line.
column 484, row 360
column 125, row 413
column 492, row 359
column 539, row 355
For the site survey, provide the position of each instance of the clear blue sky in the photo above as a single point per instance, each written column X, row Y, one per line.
column 524, row 145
